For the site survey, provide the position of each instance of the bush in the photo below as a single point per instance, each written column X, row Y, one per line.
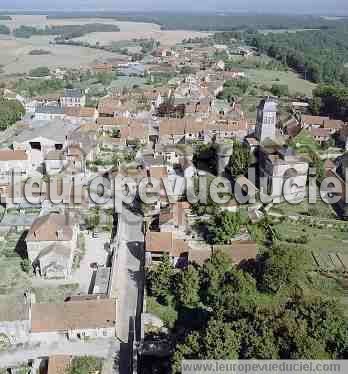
column 11, row 111
column 39, row 52
column 26, row 266
column 84, row 365
column 41, row 71
column 280, row 90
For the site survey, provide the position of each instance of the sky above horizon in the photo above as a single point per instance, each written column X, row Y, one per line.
column 297, row 6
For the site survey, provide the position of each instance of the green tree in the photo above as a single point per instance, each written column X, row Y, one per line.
column 280, row 90
column 188, row 287
column 189, row 349
column 41, row 71
column 240, row 159
column 284, row 267
column 223, row 227
column 26, row 265
column 315, row 105
column 105, row 78
column 160, row 279
column 85, row 365
column 220, row 341
column 11, row 111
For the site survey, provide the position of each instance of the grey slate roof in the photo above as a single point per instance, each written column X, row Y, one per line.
column 73, row 92
column 55, row 130
column 49, row 109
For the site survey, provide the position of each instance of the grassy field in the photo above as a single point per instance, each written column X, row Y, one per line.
column 128, row 30
column 282, row 31
column 13, row 279
column 270, row 77
column 15, row 56
column 166, row 38
column 318, row 210
column 166, row 313
column 54, row 294
column 323, row 240
column 42, row 21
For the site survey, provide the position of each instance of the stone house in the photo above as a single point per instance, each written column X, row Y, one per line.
column 81, row 115
column 75, row 320
column 279, row 164
column 158, row 244
column 13, row 162
column 320, row 135
column 72, row 98
column 38, row 141
column 175, row 217
column 51, row 243
column 238, row 251
column 14, row 322
column 49, row 113
column 54, row 162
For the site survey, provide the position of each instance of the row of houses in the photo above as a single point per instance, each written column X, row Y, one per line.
column 30, row 322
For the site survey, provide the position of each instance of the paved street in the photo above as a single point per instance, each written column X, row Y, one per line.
column 95, row 252
column 99, row 348
column 130, row 276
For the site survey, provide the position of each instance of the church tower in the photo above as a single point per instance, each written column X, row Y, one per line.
column 266, row 119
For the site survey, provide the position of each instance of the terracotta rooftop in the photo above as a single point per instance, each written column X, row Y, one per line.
column 83, row 112
column 165, row 242
column 321, row 132
column 112, row 121
column 239, row 251
column 11, row 155
column 199, row 256
column 51, row 227
column 314, row 120
column 333, row 124
column 73, row 315
column 58, row 364
column 158, row 172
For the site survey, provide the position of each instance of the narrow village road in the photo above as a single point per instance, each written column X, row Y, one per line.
column 102, row 348
column 127, row 284
column 130, row 276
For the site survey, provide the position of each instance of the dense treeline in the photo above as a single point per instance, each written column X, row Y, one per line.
column 320, row 56
column 35, row 87
column 331, row 101
column 212, row 21
column 10, row 112
column 4, row 30
column 259, row 311
column 66, row 31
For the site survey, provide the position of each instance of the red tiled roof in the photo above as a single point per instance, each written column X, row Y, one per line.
column 238, row 251
column 165, row 242
column 314, row 120
column 50, row 227
column 321, row 132
column 58, row 364
column 73, row 315
column 11, row 155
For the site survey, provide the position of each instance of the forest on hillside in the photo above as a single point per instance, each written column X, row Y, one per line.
column 319, row 56
column 64, row 31
column 212, row 21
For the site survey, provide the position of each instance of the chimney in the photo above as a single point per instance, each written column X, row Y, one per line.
column 60, row 234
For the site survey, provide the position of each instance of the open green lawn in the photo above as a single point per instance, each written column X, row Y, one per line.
column 54, row 294
column 323, row 240
column 304, row 141
column 318, row 210
column 291, row 79
column 166, row 313
column 12, row 279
